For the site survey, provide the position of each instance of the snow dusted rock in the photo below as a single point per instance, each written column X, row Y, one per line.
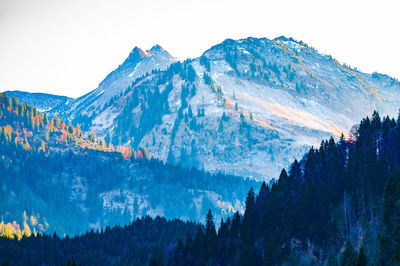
column 247, row 107
column 139, row 63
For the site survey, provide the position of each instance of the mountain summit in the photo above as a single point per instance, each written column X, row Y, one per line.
column 135, row 56
column 247, row 107
column 156, row 52
column 157, row 49
column 138, row 63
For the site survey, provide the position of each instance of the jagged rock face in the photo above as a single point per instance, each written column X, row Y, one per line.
column 246, row 107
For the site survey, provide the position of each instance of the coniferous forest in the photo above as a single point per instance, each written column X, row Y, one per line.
column 199, row 133
column 235, row 157
column 339, row 205
column 55, row 179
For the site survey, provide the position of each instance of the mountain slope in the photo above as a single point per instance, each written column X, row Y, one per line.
column 139, row 63
column 246, row 107
column 337, row 206
column 67, row 183
column 42, row 101
column 332, row 208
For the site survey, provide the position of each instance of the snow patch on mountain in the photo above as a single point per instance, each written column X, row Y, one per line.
column 279, row 97
column 139, row 63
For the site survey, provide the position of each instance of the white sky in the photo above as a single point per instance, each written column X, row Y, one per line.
column 68, row 47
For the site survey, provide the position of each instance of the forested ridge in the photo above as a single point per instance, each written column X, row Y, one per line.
column 34, row 149
column 132, row 244
column 52, row 178
column 337, row 206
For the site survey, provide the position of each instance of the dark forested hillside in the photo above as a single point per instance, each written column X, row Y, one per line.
column 54, row 179
column 332, row 207
column 133, row 244
column 339, row 205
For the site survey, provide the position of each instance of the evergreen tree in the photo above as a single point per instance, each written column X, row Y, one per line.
column 362, row 258
column 349, row 256
column 211, row 233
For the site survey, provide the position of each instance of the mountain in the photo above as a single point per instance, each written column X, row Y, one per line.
column 247, row 107
column 139, row 63
column 42, row 101
column 52, row 178
column 337, row 206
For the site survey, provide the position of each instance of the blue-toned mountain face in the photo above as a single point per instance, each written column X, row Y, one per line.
column 246, row 107
column 67, row 183
column 139, row 63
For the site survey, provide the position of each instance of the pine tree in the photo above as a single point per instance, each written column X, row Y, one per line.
column 247, row 228
column 221, row 126
column 235, row 226
column 15, row 103
column 349, row 257
column 389, row 199
column 210, row 227
column 331, row 261
column 362, row 258
column 224, row 117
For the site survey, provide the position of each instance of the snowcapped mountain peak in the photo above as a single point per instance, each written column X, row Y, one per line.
column 139, row 63
column 247, row 107
column 138, row 51
column 284, row 39
column 258, row 45
column 156, row 49
column 136, row 55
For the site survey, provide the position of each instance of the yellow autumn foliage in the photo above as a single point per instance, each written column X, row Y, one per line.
column 10, row 231
column 13, row 230
column 33, row 220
